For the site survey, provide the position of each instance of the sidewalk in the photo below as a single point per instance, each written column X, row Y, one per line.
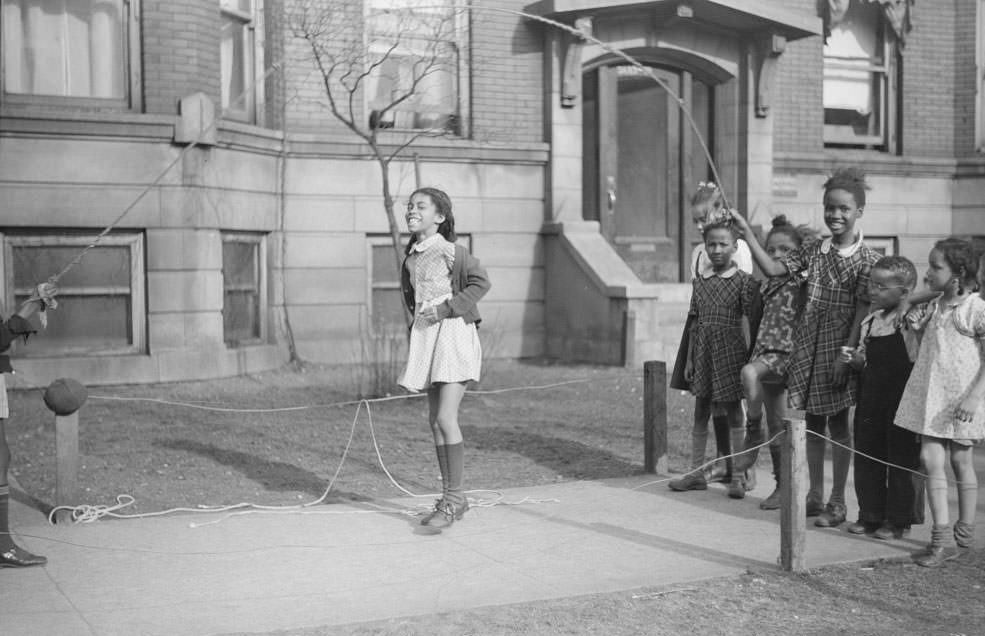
column 344, row 564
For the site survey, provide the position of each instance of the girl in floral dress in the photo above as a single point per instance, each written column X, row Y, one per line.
column 441, row 283
column 942, row 400
column 722, row 296
column 764, row 377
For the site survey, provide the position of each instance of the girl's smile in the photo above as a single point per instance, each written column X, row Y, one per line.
column 422, row 216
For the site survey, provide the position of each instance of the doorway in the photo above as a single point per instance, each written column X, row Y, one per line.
column 641, row 161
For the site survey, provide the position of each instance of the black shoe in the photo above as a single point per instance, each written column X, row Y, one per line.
column 16, row 557
column 833, row 516
column 814, row 506
column 691, row 481
column 717, row 472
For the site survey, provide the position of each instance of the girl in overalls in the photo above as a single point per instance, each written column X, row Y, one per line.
column 441, row 284
column 890, row 499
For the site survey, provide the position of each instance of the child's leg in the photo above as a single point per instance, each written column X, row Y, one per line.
column 841, row 455
column 723, row 443
column 10, row 554
column 740, row 464
column 816, row 443
column 752, row 386
column 870, row 474
column 835, row 511
column 443, row 402
column 695, row 480
column 699, row 431
column 775, row 403
column 932, row 455
column 964, row 470
column 905, row 489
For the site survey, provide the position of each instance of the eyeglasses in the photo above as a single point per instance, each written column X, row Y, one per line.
column 879, row 287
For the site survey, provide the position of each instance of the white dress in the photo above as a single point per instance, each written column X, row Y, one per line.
column 443, row 351
column 951, row 352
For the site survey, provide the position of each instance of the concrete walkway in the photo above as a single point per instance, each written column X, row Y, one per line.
column 343, row 564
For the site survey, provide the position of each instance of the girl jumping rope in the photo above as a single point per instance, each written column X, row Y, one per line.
column 837, row 274
column 722, row 296
column 442, row 283
column 764, row 377
column 942, row 400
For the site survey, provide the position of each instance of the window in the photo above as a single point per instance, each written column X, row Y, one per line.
column 386, row 302
column 64, row 49
column 417, row 63
column 101, row 308
column 237, row 52
column 859, row 79
column 244, row 300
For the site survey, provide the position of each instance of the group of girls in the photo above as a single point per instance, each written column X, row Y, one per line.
column 792, row 339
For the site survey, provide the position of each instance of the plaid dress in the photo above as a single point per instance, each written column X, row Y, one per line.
column 718, row 303
column 836, row 281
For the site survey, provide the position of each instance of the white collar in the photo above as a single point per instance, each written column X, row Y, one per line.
column 420, row 246
column 843, row 252
column 708, row 271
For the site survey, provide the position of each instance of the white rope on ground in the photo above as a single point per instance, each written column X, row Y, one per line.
column 86, row 513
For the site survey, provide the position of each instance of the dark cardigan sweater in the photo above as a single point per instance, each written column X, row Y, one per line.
column 469, row 283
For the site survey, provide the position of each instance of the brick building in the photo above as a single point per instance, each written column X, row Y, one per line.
column 200, row 131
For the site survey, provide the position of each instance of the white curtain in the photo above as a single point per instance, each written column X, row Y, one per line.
column 66, row 48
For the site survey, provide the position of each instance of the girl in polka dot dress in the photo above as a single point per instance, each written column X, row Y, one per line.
column 442, row 283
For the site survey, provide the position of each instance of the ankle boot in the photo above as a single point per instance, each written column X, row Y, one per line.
column 936, row 553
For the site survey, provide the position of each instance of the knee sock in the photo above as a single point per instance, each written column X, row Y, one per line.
column 6, row 541
column 777, row 460
column 841, row 455
column 723, row 442
column 737, row 437
column 964, row 534
column 456, row 469
column 699, row 440
column 815, row 455
column 442, row 452
column 938, row 535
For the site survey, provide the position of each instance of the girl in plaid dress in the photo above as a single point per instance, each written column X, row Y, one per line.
column 764, row 377
column 836, row 271
column 722, row 297
column 441, row 284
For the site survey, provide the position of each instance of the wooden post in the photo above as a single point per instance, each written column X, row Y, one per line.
column 793, row 487
column 67, row 464
column 655, row 416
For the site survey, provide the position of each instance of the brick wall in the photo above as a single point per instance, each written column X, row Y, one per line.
column 799, row 124
column 180, row 52
column 966, row 85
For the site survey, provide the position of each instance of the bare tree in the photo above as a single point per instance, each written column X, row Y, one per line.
column 390, row 72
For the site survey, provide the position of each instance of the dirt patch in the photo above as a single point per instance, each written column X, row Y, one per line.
column 279, row 438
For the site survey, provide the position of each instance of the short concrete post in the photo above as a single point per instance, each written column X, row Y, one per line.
column 793, row 487
column 67, row 464
column 655, row 416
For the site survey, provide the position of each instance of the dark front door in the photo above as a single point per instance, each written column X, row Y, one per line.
column 641, row 161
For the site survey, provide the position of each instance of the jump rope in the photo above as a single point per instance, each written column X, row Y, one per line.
column 89, row 513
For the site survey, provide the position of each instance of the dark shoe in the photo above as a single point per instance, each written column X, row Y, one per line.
column 442, row 516
column 833, row 516
column 773, row 502
column 691, row 481
column 857, row 527
column 814, row 506
column 16, row 557
column 889, row 531
column 737, row 488
column 934, row 556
